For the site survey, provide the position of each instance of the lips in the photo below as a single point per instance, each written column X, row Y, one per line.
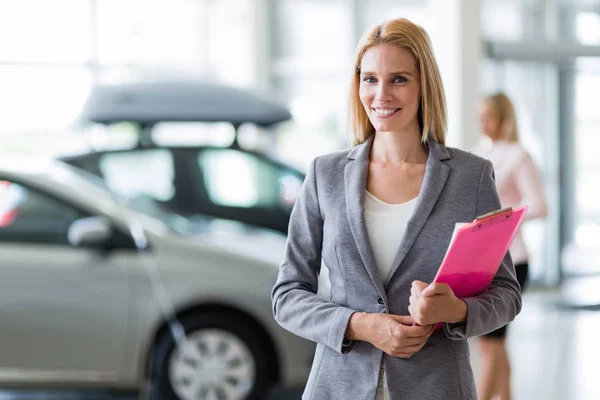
column 385, row 112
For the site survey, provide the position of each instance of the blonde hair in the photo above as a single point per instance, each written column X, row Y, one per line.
column 501, row 106
column 432, row 109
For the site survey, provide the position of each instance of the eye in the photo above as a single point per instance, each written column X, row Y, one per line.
column 368, row 79
column 399, row 79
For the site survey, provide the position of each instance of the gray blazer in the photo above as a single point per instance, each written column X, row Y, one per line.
column 328, row 224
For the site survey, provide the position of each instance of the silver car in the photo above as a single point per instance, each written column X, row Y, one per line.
column 95, row 294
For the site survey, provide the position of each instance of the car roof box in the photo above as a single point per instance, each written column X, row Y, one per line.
column 178, row 101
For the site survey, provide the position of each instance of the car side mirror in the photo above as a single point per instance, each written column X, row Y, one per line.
column 89, row 232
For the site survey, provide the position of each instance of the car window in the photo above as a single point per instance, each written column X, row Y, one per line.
column 220, row 134
column 139, row 173
column 117, row 135
column 30, row 216
column 240, row 179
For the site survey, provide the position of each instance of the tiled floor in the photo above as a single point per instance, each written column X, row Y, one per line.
column 555, row 351
column 74, row 395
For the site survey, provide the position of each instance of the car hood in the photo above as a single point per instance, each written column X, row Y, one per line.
column 225, row 237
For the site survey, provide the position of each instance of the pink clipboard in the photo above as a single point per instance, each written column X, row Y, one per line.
column 477, row 251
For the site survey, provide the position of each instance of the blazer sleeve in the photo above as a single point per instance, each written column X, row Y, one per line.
column 296, row 305
column 501, row 303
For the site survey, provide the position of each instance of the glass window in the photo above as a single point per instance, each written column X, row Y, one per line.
column 237, row 179
column 311, row 71
column 583, row 256
column 155, row 32
column 139, row 173
column 376, row 11
column 587, row 27
column 531, row 87
column 55, row 31
column 35, row 98
column 232, row 41
column 502, row 20
column 38, row 106
column 324, row 46
column 29, row 216
column 318, row 126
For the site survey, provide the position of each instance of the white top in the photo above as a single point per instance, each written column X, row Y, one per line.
column 386, row 224
column 518, row 182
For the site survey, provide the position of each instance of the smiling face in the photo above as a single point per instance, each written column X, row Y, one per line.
column 390, row 88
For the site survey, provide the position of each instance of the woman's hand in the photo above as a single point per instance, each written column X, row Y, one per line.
column 431, row 304
column 398, row 336
column 394, row 334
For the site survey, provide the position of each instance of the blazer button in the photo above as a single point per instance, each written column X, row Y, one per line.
column 380, row 301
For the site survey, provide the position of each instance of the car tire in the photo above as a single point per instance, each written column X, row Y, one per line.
column 239, row 348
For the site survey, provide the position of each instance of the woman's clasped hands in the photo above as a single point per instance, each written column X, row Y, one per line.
column 396, row 335
column 404, row 335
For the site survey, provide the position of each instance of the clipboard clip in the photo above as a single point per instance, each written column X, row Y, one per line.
column 493, row 217
column 494, row 213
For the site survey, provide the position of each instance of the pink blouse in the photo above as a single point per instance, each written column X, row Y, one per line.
column 518, row 182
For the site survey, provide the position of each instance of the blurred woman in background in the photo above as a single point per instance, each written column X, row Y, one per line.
column 518, row 182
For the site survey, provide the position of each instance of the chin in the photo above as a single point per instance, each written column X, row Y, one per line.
column 396, row 123
column 387, row 126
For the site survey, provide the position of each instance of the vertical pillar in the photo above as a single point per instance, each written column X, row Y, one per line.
column 262, row 16
column 458, row 45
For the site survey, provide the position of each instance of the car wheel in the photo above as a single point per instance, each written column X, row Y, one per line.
column 220, row 358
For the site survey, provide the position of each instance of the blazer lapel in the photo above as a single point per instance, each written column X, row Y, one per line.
column 355, row 179
column 436, row 174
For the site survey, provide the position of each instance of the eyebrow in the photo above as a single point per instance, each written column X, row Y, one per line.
column 390, row 74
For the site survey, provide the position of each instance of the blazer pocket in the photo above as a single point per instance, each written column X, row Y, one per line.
column 337, row 281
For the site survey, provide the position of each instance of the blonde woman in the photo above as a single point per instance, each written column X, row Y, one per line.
column 518, row 182
column 381, row 215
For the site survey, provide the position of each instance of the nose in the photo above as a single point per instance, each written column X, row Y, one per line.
column 383, row 92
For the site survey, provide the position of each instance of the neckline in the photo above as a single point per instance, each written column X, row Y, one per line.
column 373, row 197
